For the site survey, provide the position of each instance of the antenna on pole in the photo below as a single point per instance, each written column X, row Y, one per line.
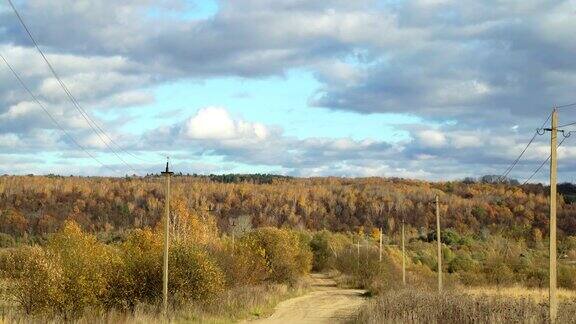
column 167, row 173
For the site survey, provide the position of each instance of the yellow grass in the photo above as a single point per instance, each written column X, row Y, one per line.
column 536, row 294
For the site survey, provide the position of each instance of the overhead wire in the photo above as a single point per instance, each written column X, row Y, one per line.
column 543, row 163
column 566, row 125
column 515, row 162
column 97, row 129
column 567, row 105
column 62, row 129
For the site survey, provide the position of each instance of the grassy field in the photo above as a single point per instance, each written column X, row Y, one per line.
column 478, row 305
column 518, row 292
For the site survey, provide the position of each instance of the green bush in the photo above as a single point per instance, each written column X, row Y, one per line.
column 461, row 262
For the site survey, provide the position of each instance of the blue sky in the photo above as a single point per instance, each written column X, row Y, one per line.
column 278, row 100
column 430, row 89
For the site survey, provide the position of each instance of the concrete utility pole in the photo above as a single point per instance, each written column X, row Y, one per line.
column 403, row 257
column 167, row 174
column 439, row 240
column 553, row 301
column 380, row 247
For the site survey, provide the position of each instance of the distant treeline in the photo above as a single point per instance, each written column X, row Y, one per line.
column 36, row 205
column 257, row 178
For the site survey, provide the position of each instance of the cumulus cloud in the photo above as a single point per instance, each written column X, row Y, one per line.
column 215, row 123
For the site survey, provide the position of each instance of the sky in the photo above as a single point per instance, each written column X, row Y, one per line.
column 425, row 89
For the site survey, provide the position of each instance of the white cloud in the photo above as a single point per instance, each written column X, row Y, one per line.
column 215, row 123
column 463, row 140
column 431, row 138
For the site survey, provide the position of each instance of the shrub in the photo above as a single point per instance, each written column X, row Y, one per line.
column 71, row 274
column 287, row 254
column 567, row 276
column 366, row 271
column 6, row 240
column 140, row 278
column 320, row 246
column 193, row 274
column 243, row 264
column 37, row 280
column 461, row 262
column 85, row 265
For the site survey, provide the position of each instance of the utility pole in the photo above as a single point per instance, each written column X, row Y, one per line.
column 380, row 247
column 233, row 234
column 403, row 257
column 167, row 174
column 552, row 298
column 358, row 251
column 439, row 240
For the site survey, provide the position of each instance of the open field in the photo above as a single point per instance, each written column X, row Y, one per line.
column 421, row 306
column 538, row 295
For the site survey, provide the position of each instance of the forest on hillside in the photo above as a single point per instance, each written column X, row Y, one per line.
column 33, row 206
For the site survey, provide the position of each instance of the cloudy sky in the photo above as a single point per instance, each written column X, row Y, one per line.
column 430, row 89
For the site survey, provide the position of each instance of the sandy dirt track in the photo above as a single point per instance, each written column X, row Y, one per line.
column 325, row 304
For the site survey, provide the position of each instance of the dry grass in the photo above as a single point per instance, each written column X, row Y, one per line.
column 421, row 306
column 231, row 306
column 536, row 294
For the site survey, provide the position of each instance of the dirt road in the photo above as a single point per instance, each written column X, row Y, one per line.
column 325, row 304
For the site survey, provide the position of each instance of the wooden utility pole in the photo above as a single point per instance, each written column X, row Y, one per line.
column 358, row 250
column 403, row 257
column 553, row 301
column 167, row 174
column 380, row 247
column 439, row 240
column 233, row 234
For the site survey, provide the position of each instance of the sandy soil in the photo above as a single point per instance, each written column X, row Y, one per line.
column 325, row 304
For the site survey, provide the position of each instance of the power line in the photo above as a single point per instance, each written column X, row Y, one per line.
column 565, row 125
column 91, row 123
column 543, row 163
column 568, row 105
column 33, row 96
column 509, row 169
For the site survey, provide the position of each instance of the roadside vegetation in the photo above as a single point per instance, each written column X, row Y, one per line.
column 76, row 276
column 412, row 305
